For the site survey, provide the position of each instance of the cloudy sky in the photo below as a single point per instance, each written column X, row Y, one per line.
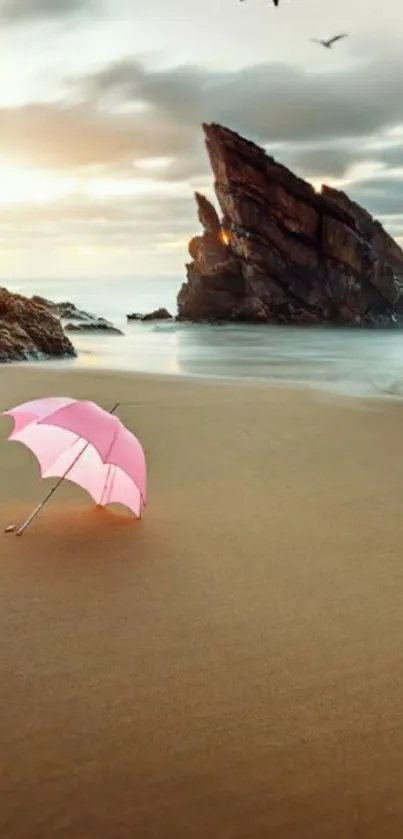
column 101, row 103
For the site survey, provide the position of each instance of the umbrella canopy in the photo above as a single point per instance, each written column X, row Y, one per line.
column 81, row 442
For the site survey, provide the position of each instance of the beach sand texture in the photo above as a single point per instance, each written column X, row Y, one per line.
column 230, row 667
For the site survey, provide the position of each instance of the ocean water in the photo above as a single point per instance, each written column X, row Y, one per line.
column 345, row 361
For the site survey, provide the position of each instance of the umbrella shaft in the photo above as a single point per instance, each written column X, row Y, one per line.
column 30, row 518
column 50, row 493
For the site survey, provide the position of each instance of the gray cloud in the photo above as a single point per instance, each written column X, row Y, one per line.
column 320, row 161
column 125, row 113
column 381, row 196
column 336, row 159
column 144, row 222
column 272, row 102
column 318, row 124
column 21, row 11
column 62, row 135
column 161, row 208
column 391, row 156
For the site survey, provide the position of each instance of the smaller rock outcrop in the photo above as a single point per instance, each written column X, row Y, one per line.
column 158, row 314
column 76, row 320
column 29, row 331
column 97, row 326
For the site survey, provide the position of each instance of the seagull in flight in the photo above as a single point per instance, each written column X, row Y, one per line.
column 330, row 41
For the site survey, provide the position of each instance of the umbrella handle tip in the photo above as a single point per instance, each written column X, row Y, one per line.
column 10, row 529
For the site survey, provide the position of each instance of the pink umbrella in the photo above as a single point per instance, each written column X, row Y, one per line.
column 81, row 442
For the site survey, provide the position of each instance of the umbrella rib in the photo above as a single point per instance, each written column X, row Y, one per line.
column 74, row 443
column 106, row 487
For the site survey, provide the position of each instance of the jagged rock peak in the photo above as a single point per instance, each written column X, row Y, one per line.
column 293, row 255
column 207, row 214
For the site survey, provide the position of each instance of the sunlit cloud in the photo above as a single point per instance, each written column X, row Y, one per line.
column 101, row 148
column 21, row 11
column 23, row 185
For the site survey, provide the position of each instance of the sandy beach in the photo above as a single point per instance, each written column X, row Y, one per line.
column 231, row 666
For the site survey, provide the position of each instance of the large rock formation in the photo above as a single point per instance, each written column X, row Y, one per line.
column 28, row 330
column 284, row 253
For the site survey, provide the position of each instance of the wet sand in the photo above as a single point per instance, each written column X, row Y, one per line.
column 230, row 667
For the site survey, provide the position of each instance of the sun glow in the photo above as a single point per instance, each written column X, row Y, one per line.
column 86, row 250
column 21, row 184
column 224, row 237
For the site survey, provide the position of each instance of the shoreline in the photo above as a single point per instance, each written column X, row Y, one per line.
column 357, row 365
column 69, row 367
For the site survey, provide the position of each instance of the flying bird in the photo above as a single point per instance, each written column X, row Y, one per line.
column 330, row 41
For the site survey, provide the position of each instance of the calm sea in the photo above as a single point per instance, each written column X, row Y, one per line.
column 356, row 362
